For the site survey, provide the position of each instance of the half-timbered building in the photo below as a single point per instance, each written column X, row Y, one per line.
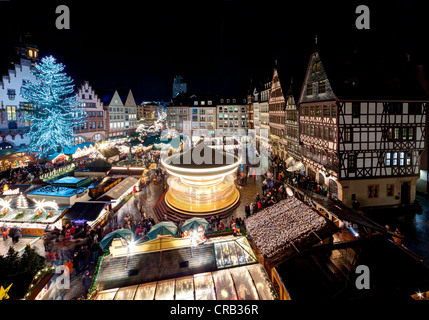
column 291, row 133
column 277, row 105
column 362, row 127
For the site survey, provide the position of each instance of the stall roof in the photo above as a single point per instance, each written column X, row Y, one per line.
column 119, row 189
column 330, row 271
column 88, row 211
column 245, row 283
column 134, row 269
column 98, row 165
column 170, row 262
column 287, row 227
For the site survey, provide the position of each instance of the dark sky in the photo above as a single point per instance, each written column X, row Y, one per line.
column 217, row 46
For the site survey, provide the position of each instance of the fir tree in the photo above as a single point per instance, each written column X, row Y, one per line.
column 56, row 108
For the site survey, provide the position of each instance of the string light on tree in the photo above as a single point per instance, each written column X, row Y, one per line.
column 56, row 109
column 22, row 202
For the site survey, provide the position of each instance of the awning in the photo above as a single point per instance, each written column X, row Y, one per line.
column 88, row 211
column 289, row 160
column 299, row 165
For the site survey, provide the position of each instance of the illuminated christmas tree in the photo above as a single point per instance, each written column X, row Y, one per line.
column 22, row 202
column 56, row 109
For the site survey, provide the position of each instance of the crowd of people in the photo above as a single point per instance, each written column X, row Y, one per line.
column 33, row 171
column 76, row 244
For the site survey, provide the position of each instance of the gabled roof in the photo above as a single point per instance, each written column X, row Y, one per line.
column 358, row 74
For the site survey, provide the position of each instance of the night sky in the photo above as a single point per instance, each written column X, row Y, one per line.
column 217, row 46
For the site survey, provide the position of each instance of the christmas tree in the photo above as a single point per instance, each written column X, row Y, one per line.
column 22, row 202
column 56, row 109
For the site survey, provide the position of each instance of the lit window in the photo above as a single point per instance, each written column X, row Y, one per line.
column 388, row 160
column 401, row 158
column 11, row 113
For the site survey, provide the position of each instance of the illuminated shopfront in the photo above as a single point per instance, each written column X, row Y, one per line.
column 201, row 180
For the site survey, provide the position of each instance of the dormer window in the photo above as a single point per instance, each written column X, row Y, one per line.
column 322, row 86
column 309, row 89
column 11, row 94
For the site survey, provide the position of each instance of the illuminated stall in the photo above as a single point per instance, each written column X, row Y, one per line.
column 201, row 180
column 190, row 272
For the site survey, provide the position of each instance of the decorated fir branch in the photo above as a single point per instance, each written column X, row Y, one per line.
column 20, row 214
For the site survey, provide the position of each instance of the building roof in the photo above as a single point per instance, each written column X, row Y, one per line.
column 98, row 165
column 134, row 269
column 209, row 158
column 331, row 272
column 88, row 211
column 118, row 190
column 358, row 74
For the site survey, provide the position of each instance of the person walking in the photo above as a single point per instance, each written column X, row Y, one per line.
column 247, row 210
column 5, row 232
column 252, row 208
column 95, row 250
column 86, row 282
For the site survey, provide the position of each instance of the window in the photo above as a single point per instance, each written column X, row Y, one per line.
column 11, row 113
column 389, row 190
column 395, row 159
column 393, row 107
column 334, row 110
column 414, row 108
column 322, row 86
column 373, row 191
column 203, row 103
column 326, row 111
column 388, row 159
column 309, row 89
column 11, row 93
column 195, row 103
column 209, row 102
column 356, row 109
column 351, row 163
column 331, row 134
column 194, row 111
column 348, row 134
column 396, row 133
column 411, row 133
column 401, row 158
column 408, row 159
column 319, row 111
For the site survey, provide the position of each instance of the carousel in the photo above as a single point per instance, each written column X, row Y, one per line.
column 201, row 181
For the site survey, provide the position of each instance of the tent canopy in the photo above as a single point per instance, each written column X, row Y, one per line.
column 120, row 233
column 162, row 229
column 194, row 223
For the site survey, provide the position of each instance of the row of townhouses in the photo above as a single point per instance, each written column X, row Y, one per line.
column 110, row 113
column 358, row 132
